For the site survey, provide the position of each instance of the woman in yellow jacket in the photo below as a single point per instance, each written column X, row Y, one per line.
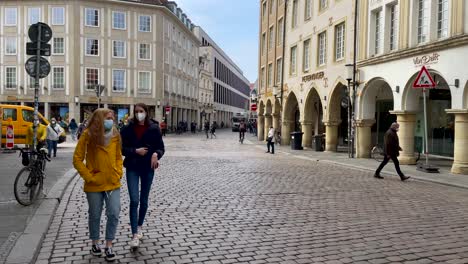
column 100, row 146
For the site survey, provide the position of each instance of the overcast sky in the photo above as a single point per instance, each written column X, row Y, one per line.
column 233, row 25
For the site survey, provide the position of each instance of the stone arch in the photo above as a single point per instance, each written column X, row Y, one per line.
column 312, row 121
column 291, row 117
column 376, row 89
column 334, row 104
column 465, row 96
column 268, row 108
column 261, row 108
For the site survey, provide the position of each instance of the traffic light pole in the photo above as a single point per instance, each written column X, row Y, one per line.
column 36, row 89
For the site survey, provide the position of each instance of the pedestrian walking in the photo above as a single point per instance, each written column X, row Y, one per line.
column 143, row 147
column 271, row 140
column 207, row 128
column 100, row 146
column 73, row 126
column 163, row 127
column 392, row 151
column 41, row 135
column 53, row 133
column 213, row 129
column 81, row 128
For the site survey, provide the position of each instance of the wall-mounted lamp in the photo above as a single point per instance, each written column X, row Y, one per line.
column 77, row 100
column 457, row 83
column 45, row 88
column 158, row 103
column 397, row 89
column 325, row 98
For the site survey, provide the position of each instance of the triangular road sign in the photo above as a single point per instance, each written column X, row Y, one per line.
column 424, row 79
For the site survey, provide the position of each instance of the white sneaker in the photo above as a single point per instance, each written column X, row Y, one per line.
column 140, row 233
column 134, row 243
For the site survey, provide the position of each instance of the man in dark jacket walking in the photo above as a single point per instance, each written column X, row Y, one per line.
column 392, row 151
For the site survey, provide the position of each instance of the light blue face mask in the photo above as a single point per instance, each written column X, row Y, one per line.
column 108, row 124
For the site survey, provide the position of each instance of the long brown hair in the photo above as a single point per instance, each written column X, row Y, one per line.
column 146, row 108
column 96, row 126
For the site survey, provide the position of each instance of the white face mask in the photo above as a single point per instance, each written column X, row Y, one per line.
column 141, row 116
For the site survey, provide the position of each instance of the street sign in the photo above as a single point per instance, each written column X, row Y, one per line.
column 32, row 64
column 167, row 108
column 46, row 32
column 31, row 49
column 424, row 79
column 10, row 137
column 253, row 107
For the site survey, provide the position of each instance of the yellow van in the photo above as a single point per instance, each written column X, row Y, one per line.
column 21, row 118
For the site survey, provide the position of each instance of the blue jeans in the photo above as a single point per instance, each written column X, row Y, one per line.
column 137, row 217
column 52, row 145
column 95, row 202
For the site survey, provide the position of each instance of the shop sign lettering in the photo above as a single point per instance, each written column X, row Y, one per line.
column 313, row 76
column 426, row 59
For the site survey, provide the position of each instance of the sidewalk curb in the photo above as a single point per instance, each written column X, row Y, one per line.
column 357, row 167
column 36, row 229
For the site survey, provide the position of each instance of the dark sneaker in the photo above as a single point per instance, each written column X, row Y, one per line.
column 110, row 255
column 96, row 250
column 404, row 178
column 378, row 176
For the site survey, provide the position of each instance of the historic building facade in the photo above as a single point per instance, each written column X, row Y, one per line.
column 395, row 39
column 122, row 45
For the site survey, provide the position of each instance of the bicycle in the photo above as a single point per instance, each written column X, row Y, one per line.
column 30, row 179
column 378, row 153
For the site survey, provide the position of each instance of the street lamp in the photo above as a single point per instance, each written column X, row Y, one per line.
column 349, row 68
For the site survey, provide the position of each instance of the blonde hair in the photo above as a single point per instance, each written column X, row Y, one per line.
column 96, row 126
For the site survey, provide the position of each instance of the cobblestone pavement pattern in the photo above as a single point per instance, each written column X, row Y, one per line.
column 217, row 201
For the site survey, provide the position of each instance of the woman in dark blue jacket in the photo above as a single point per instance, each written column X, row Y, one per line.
column 143, row 147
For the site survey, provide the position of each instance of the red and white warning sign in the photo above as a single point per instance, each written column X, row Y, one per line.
column 424, row 79
column 10, row 137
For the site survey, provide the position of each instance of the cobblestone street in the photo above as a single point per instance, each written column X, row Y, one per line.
column 217, row 201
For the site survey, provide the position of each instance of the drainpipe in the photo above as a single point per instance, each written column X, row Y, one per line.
column 354, row 79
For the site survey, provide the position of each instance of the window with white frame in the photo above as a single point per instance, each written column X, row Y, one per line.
column 58, row 46
column 294, row 14
column 423, row 20
column 118, row 80
column 322, row 48
column 378, row 32
column 293, row 60
column 10, row 77
column 306, row 56
column 119, row 20
column 92, row 47
column 166, row 82
column 144, row 51
column 144, row 23
column 270, row 75
column 144, row 81
column 263, row 43
column 11, row 16
column 58, row 16
column 34, row 15
column 442, row 18
column 280, row 31
column 92, row 78
column 307, row 9
column 166, row 55
column 92, row 17
column 118, row 49
column 263, row 79
column 10, row 46
column 58, row 76
column 393, row 27
column 323, row 4
column 339, row 41
column 279, row 70
column 271, row 38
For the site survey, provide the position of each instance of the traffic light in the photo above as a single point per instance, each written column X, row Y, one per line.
column 40, row 34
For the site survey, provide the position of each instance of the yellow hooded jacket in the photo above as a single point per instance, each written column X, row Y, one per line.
column 104, row 165
column 41, row 134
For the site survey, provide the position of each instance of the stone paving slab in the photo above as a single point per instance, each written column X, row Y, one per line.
column 219, row 203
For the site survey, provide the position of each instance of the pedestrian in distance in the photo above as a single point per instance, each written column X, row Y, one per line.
column 53, row 133
column 391, row 151
column 242, row 129
column 207, row 128
column 100, row 146
column 81, row 128
column 163, row 127
column 143, row 147
column 73, row 126
column 213, row 129
column 41, row 135
column 271, row 140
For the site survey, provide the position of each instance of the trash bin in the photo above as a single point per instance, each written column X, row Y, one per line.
column 319, row 142
column 296, row 140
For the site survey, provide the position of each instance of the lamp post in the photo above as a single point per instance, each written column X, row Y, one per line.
column 98, row 88
column 349, row 77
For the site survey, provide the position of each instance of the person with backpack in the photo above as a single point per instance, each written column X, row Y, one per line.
column 73, row 126
column 53, row 134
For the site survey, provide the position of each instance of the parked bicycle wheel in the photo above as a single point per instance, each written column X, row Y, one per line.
column 377, row 153
column 28, row 185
